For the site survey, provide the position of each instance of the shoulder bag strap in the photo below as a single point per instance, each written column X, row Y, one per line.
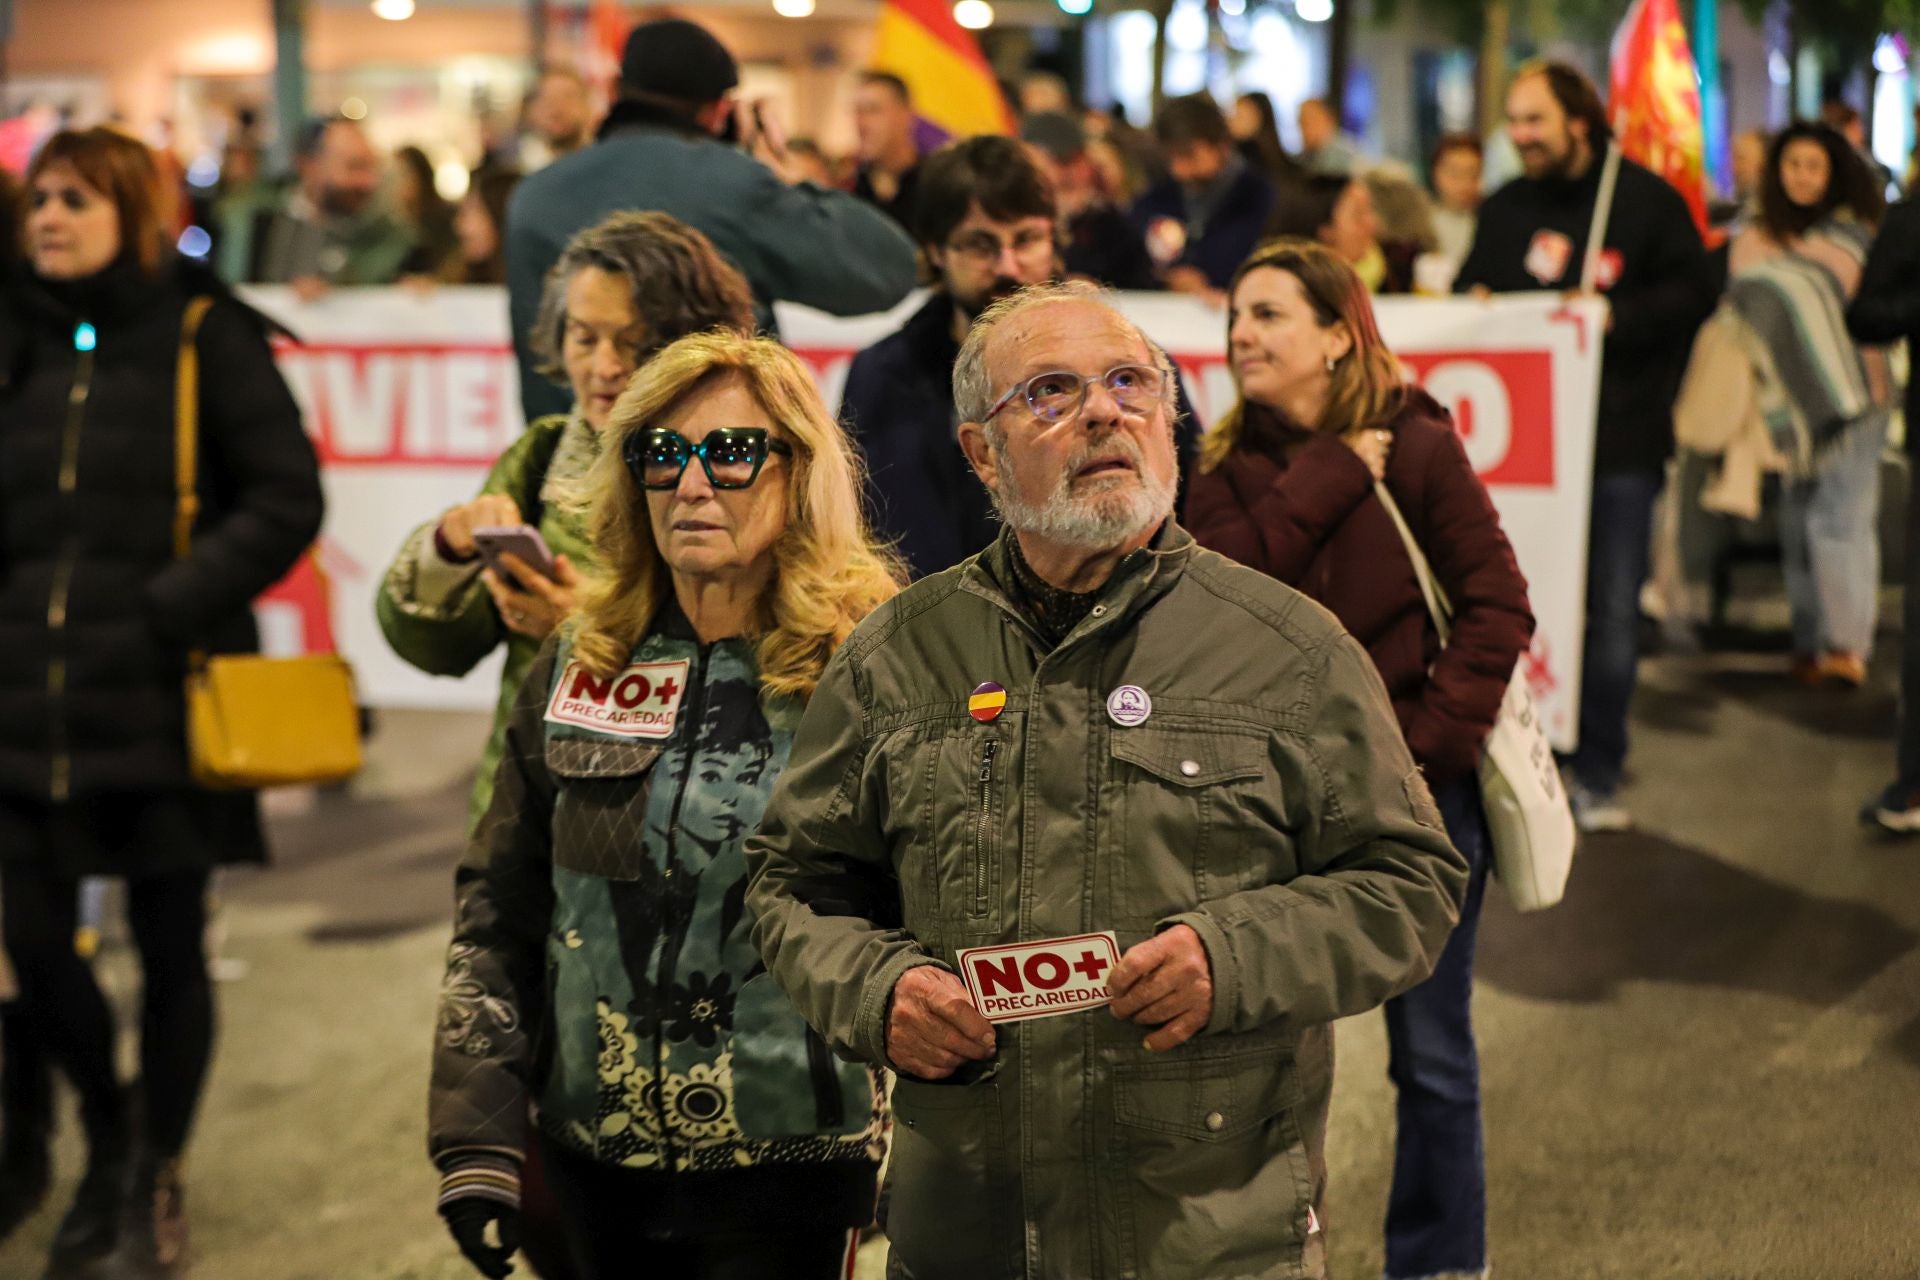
column 1430, row 589
column 186, row 439
column 1602, row 216
column 186, row 428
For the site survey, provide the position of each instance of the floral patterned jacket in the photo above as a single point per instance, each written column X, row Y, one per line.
column 602, row 964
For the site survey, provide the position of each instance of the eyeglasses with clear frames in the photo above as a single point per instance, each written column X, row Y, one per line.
column 1058, row 395
column 985, row 248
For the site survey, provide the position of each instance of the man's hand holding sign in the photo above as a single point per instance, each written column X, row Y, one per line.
column 1167, row 983
column 933, row 1027
column 939, row 1022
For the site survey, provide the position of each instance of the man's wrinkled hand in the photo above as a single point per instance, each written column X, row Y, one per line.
column 933, row 1027
column 1165, row 982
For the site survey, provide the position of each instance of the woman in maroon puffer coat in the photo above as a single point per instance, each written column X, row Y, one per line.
column 1287, row 486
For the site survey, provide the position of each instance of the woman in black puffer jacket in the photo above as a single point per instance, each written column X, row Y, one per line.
column 97, row 618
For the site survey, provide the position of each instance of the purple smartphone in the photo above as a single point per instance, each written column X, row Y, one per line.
column 522, row 540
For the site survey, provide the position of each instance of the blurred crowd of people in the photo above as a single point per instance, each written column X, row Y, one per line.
column 682, row 960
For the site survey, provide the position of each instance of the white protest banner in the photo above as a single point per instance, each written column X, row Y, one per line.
column 410, row 397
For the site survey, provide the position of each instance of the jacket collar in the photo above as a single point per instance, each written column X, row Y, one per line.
column 929, row 332
column 1137, row 583
column 627, row 114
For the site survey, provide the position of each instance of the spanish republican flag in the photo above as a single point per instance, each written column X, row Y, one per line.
column 954, row 90
column 1656, row 100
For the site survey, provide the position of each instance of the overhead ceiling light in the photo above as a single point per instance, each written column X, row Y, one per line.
column 393, row 10
column 793, row 8
column 974, row 15
column 1076, row 6
column 1313, row 10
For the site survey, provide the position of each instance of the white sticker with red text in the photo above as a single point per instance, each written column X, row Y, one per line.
column 1040, row 979
column 642, row 701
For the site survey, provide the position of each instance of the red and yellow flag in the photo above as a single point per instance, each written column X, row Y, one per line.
column 954, row 90
column 607, row 28
column 1655, row 106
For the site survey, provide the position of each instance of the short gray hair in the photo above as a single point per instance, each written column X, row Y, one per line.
column 973, row 393
column 680, row 283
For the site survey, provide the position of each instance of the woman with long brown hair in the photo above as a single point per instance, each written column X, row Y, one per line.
column 1300, row 479
column 1794, row 271
column 98, row 615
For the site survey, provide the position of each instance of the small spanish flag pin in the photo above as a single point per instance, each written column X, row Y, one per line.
column 986, row 702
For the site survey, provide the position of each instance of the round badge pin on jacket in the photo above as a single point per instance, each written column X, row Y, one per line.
column 1129, row 705
column 986, row 702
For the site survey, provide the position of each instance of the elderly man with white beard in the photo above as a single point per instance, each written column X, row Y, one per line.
column 1090, row 838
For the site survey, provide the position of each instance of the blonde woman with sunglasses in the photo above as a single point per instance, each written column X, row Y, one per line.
column 602, row 966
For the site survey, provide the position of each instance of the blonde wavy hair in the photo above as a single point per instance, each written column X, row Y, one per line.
column 829, row 572
column 1368, row 386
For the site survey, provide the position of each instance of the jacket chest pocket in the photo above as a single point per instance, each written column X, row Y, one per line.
column 600, row 814
column 1185, row 824
column 960, row 781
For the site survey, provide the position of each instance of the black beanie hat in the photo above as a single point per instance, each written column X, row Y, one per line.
column 674, row 58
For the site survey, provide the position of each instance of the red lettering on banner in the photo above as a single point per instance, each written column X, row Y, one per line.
column 632, row 691
column 1501, row 401
column 1046, row 970
column 1092, row 965
column 586, row 685
column 667, row 691
column 422, row 403
column 1002, row 975
column 1502, row 405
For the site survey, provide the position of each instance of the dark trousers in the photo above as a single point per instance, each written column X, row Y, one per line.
column 69, row 1015
column 1619, row 544
column 598, row 1210
column 1437, row 1210
column 1907, row 753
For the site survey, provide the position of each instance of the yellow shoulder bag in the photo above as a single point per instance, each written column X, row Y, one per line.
column 253, row 721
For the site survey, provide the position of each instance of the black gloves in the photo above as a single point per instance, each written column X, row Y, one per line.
column 467, row 1219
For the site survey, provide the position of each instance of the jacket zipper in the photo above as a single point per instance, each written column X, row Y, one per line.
column 983, row 827
column 669, row 948
column 61, row 782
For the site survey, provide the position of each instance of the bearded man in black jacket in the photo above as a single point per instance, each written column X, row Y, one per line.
column 1655, row 278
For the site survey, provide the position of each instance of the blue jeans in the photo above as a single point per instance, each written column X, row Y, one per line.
column 1437, row 1212
column 1830, row 544
column 1619, row 542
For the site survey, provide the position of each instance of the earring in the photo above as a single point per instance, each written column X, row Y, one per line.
column 1329, row 364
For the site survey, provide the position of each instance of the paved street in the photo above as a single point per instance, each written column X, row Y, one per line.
column 1705, row 1065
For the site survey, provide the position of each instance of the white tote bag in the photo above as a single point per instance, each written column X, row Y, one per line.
column 1528, row 815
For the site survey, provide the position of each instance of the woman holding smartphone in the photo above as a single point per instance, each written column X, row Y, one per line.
column 620, row 292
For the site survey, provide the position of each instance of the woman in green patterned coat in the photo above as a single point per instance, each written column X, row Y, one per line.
column 603, row 967
column 622, row 290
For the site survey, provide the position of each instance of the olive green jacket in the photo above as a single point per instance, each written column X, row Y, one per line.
column 439, row 616
column 1268, row 801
